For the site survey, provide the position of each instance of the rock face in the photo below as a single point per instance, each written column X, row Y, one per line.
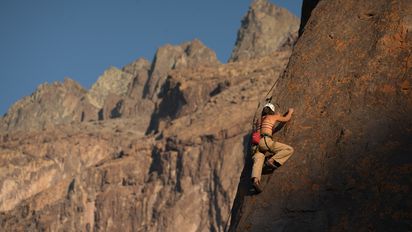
column 140, row 70
column 307, row 8
column 137, row 66
column 106, row 175
column 348, row 82
column 351, row 132
column 130, row 103
column 265, row 29
column 170, row 57
column 350, row 85
column 50, row 104
column 113, row 81
column 53, row 180
column 188, row 90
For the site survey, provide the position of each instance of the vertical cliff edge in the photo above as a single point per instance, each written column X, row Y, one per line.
column 349, row 79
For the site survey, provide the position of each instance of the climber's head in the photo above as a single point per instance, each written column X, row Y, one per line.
column 268, row 109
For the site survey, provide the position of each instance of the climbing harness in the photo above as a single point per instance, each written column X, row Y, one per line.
column 269, row 149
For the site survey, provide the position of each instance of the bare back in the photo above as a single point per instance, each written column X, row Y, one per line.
column 268, row 123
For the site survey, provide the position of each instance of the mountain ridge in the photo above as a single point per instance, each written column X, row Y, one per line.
column 160, row 155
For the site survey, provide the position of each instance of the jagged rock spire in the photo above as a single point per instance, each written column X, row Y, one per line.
column 169, row 57
column 113, row 81
column 265, row 28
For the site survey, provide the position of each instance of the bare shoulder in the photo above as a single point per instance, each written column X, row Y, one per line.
column 277, row 115
column 273, row 117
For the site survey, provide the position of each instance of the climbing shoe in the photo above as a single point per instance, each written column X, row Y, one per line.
column 256, row 185
column 270, row 163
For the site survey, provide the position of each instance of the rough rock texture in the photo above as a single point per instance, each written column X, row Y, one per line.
column 131, row 103
column 106, row 175
column 50, row 104
column 55, row 180
column 113, row 81
column 350, row 85
column 265, row 29
column 140, row 69
column 189, row 90
column 125, row 107
column 170, row 57
column 137, row 66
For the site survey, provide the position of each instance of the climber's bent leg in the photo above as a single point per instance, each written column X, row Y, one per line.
column 258, row 159
column 282, row 152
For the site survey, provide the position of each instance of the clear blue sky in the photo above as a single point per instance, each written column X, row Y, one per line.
column 47, row 40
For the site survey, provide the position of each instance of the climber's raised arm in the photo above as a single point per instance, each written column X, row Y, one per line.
column 287, row 117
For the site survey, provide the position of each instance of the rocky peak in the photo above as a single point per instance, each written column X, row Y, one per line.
column 113, row 81
column 137, row 66
column 183, row 181
column 197, row 54
column 189, row 91
column 265, row 29
column 140, row 69
column 68, row 85
column 59, row 102
column 170, row 57
column 262, row 6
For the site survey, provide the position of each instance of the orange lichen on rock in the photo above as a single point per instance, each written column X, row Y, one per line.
column 389, row 89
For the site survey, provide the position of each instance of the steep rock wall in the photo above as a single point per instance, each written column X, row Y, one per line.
column 106, row 175
column 349, row 80
column 113, row 81
column 168, row 57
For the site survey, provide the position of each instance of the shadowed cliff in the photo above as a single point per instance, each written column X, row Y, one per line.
column 349, row 80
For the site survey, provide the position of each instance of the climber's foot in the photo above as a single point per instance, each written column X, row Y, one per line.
column 256, row 185
column 270, row 163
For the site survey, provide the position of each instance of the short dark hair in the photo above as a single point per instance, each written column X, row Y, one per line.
column 267, row 111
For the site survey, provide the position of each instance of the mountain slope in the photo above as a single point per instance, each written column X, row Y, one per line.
column 107, row 174
column 50, row 104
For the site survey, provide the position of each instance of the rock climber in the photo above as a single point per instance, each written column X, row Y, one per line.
column 267, row 146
